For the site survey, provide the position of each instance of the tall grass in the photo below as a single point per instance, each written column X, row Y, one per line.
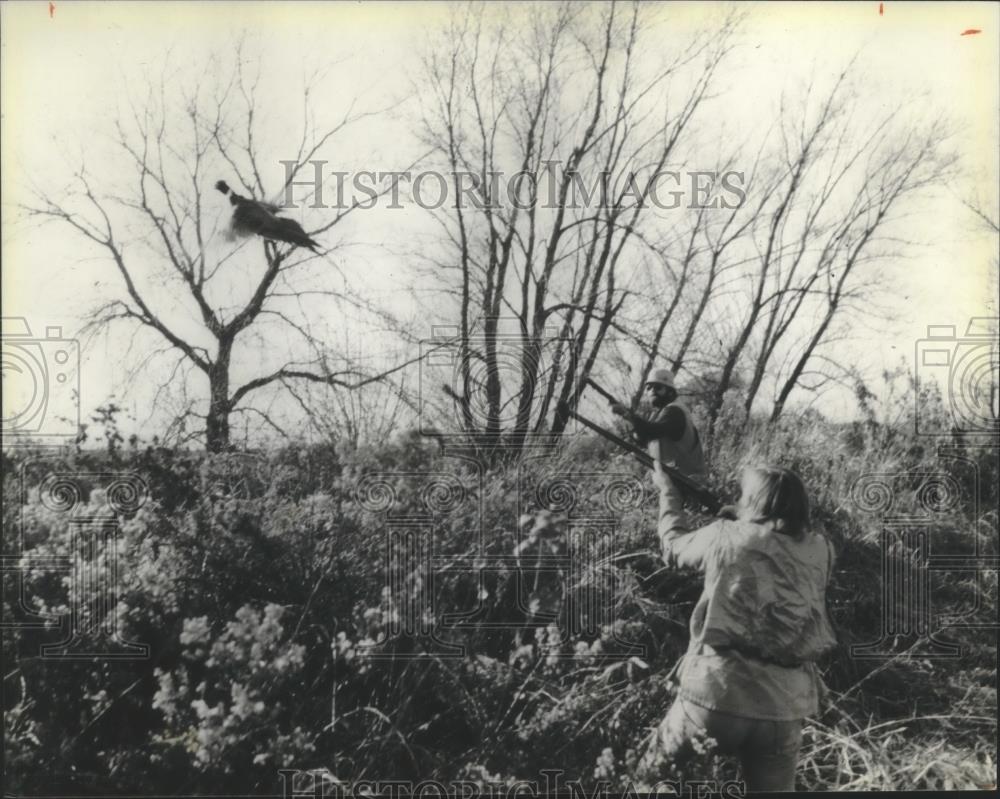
column 261, row 584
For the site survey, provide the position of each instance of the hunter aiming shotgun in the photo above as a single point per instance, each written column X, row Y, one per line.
column 703, row 495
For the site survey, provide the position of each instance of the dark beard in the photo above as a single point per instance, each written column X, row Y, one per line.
column 660, row 402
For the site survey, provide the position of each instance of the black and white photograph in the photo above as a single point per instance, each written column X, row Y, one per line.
column 570, row 398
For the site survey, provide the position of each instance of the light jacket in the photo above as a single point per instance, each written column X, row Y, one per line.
column 763, row 603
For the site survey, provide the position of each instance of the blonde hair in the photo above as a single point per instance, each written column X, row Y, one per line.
column 776, row 496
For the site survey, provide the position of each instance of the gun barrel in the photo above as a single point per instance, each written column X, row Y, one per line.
column 600, row 390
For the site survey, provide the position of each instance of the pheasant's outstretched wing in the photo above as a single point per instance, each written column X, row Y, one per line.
column 249, row 218
column 254, row 218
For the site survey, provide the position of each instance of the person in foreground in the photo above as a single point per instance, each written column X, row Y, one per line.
column 748, row 679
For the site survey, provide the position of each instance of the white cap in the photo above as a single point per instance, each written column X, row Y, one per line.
column 663, row 377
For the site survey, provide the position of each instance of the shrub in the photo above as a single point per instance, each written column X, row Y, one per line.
column 273, row 610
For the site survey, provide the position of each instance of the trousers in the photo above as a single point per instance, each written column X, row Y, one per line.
column 768, row 751
column 672, row 515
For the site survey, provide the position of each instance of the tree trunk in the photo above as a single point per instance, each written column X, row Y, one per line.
column 217, row 421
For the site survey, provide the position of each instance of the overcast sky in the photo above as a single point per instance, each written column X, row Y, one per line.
column 65, row 70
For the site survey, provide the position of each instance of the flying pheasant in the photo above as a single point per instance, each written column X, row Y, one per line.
column 253, row 217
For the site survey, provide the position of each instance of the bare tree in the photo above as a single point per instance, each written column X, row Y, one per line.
column 352, row 418
column 751, row 295
column 157, row 230
column 901, row 165
column 819, row 203
column 563, row 103
column 697, row 265
column 990, row 222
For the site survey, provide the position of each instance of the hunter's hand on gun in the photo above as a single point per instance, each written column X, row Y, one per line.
column 619, row 410
column 703, row 495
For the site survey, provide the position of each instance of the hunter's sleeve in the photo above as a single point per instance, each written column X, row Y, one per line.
column 682, row 547
column 670, row 424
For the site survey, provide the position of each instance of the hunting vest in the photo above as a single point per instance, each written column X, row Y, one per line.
column 685, row 455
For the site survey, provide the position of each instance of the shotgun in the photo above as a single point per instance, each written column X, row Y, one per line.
column 700, row 493
column 597, row 387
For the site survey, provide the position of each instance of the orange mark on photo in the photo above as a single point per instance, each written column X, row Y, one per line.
column 52, row 10
column 881, row 9
column 970, row 31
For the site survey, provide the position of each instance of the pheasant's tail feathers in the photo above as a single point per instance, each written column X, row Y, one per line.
column 291, row 231
column 304, row 241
